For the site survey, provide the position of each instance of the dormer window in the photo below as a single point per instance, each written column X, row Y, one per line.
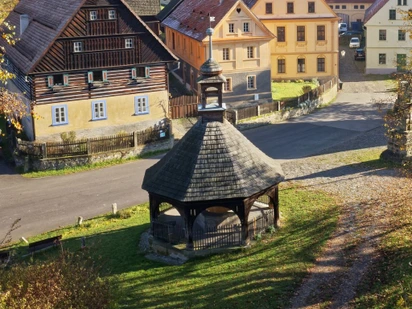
column 128, row 43
column 78, row 47
column 93, row 15
column 112, row 14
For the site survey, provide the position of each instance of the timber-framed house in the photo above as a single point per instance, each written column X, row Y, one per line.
column 89, row 66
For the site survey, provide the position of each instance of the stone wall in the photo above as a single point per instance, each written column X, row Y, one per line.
column 31, row 163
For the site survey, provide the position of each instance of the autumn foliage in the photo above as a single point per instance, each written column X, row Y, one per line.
column 68, row 281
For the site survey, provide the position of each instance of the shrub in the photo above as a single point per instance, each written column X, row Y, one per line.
column 68, row 137
column 271, row 229
column 68, row 281
column 258, row 237
column 306, row 88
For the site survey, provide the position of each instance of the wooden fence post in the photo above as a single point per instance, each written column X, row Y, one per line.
column 135, row 139
column 88, row 147
column 258, row 110
column 44, row 150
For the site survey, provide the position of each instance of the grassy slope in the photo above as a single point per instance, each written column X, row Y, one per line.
column 264, row 276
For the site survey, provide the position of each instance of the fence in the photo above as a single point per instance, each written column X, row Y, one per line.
column 212, row 238
column 183, row 106
column 92, row 145
column 186, row 106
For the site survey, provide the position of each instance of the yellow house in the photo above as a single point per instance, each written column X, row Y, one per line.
column 240, row 45
column 92, row 67
column 306, row 37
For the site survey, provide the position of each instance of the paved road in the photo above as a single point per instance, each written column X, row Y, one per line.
column 45, row 204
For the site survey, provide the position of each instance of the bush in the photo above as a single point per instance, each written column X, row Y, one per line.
column 68, row 281
column 68, row 137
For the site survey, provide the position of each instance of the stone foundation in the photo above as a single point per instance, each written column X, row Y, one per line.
column 36, row 164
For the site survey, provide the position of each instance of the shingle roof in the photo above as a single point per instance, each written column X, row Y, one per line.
column 191, row 17
column 212, row 161
column 44, row 28
column 144, row 7
column 373, row 9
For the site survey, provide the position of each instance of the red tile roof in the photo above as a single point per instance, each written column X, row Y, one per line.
column 373, row 9
column 191, row 17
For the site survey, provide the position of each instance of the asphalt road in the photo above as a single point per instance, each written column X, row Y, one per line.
column 47, row 203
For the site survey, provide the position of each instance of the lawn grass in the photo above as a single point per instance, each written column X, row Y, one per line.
column 264, row 276
column 288, row 90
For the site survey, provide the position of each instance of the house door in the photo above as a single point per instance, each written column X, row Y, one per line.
column 400, row 62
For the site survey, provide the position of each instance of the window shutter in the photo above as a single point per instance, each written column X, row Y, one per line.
column 104, row 75
column 50, row 81
column 90, row 77
column 147, row 72
column 65, row 79
column 134, row 73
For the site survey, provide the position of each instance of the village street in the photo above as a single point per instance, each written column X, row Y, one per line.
column 47, row 203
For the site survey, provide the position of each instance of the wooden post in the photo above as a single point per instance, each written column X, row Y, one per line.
column 135, row 139
column 88, row 147
column 44, row 150
column 114, row 208
column 276, row 208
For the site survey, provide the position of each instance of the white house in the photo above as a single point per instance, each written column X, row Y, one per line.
column 388, row 44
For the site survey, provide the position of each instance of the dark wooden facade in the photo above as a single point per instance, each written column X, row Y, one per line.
column 103, row 48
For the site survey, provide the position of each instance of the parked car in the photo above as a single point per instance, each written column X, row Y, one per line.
column 354, row 43
column 359, row 54
column 351, row 33
column 342, row 27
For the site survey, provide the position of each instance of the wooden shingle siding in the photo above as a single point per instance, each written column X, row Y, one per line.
column 119, row 83
column 77, row 26
column 23, row 83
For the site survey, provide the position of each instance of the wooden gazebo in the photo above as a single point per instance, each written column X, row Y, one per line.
column 213, row 165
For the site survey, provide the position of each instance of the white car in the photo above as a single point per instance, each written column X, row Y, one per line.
column 354, row 43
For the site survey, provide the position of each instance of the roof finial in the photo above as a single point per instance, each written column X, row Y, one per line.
column 209, row 32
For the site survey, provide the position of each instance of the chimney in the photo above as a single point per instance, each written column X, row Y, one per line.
column 24, row 22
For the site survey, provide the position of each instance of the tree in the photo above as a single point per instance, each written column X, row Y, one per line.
column 11, row 106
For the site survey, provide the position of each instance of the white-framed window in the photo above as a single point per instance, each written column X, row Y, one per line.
column 112, row 14
column 99, row 110
column 93, row 15
column 246, row 27
column 59, row 115
column 227, row 87
column 128, row 43
column 231, row 28
column 251, row 82
column 78, row 47
column 226, row 53
column 250, row 52
column 141, row 105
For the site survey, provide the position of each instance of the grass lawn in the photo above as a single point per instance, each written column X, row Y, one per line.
column 264, row 276
column 288, row 90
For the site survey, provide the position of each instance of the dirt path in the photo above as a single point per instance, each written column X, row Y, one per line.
column 350, row 252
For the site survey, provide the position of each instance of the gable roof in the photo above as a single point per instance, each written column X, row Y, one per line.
column 191, row 17
column 212, row 161
column 45, row 27
column 168, row 9
column 144, row 7
column 373, row 9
